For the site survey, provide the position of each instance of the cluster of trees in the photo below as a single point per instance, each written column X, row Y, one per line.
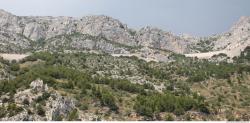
column 154, row 72
column 195, row 70
column 73, row 115
column 7, row 86
column 126, row 86
column 147, row 103
column 150, row 105
column 106, row 98
column 13, row 109
column 120, row 84
column 51, row 74
column 46, row 56
column 9, row 110
column 198, row 71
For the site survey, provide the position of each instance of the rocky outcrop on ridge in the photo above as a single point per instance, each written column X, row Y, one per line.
column 20, row 34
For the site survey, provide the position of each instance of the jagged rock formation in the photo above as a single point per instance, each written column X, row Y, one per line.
column 38, row 86
column 21, row 34
column 29, row 100
column 156, row 38
column 40, row 29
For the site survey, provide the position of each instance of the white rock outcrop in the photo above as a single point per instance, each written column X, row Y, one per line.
column 38, row 86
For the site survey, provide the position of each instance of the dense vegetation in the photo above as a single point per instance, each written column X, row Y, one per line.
column 107, row 82
column 154, row 103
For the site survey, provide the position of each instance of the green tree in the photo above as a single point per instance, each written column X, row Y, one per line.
column 15, row 67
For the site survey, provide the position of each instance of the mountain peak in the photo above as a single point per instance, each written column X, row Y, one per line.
column 242, row 24
column 3, row 12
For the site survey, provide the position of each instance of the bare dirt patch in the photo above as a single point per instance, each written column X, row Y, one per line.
column 11, row 57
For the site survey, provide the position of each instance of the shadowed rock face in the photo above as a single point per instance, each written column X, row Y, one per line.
column 21, row 33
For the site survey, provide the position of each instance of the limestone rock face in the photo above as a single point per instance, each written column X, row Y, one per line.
column 111, row 28
column 237, row 39
column 34, row 31
column 10, row 22
column 29, row 99
column 13, row 42
column 231, row 43
column 59, row 106
column 47, row 27
column 36, row 28
column 21, row 34
column 38, row 86
column 156, row 38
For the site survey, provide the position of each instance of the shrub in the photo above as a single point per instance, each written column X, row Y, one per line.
column 179, row 110
column 106, row 98
column 84, row 106
column 57, row 117
column 148, row 105
column 44, row 97
column 2, row 112
column 169, row 117
column 13, row 109
column 40, row 111
column 73, row 115
column 26, row 102
column 15, row 67
column 126, row 86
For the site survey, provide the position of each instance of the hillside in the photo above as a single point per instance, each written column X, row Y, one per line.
column 95, row 68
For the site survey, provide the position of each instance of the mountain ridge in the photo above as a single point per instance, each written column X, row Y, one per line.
column 41, row 28
column 97, row 68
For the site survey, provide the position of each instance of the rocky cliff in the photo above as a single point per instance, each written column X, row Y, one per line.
column 37, row 29
column 102, row 33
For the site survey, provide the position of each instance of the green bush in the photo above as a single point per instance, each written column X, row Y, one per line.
column 15, row 67
column 106, row 98
column 2, row 112
column 40, row 111
column 44, row 97
column 73, row 115
column 169, row 117
column 84, row 106
column 57, row 117
column 126, row 86
column 148, row 105
column 13, row 109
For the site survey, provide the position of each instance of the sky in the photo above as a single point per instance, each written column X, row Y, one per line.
column 195, row 17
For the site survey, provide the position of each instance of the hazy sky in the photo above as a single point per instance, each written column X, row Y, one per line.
column 196, row 17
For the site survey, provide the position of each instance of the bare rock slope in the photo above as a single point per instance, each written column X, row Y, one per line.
column 21, row 34
column 231, row 43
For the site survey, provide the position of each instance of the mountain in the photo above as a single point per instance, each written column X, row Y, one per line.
column 96, row 68
column 231, row 43
column 103, row 33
